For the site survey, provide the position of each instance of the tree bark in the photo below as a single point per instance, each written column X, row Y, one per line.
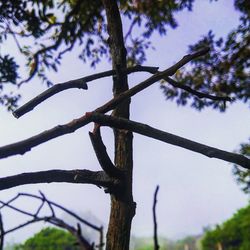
column 122, row 204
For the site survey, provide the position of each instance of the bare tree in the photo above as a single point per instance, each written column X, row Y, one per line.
column 52, row 218
column 115, row 176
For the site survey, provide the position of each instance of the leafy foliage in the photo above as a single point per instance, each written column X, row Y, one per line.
column 234, row 234
column 45, row 30
column 49, row 239
column 224, row 71
column 242, row 176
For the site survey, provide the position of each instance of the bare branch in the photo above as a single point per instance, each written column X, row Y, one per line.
column 186, row 59
column 98, row 178
column 53, row 219
column 25, row 145
column 102, row 156
column 146, row 130
column 22, row 147
column 148, row 82
column 80, row 83
column 156, row 244
column 195, row 92
column 63, row 209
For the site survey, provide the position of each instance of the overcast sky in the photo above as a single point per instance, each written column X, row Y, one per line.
column 195, row 191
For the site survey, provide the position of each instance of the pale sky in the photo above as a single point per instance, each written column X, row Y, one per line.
column 195, row 191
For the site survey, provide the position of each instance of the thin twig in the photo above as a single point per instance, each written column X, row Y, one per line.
column 83, row 243
column 63, row 209
column 195, row 92
column 186, row 59
column 49, row 204
column 156, row 244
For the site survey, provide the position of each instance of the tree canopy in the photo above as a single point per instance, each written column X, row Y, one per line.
column 242, row 176
column 44, row 31
column 49, row 238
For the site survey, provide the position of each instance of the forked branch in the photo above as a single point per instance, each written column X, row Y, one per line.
column 26, row 145
column 172, row 139
column 140, row 128
column 51, row 218
column 102, row 156
column 80, row 83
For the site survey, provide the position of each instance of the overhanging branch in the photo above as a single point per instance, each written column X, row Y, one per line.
column 98, row 178
column 80, row 83
column 25, row 145
column 157, row 134
column 22, row 147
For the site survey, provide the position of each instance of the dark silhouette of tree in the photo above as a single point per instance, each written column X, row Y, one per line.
column 97, row 27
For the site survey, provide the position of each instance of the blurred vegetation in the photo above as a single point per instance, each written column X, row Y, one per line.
column 49, row 239
column 189, row 242
column 241, row 175
column 234, row 234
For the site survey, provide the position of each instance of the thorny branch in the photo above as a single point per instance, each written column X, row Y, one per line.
column 156, row 243
column 52, row 219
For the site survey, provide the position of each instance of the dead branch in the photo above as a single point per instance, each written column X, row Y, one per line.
column 52, row 219
column 26, row 145
column 102, row 156
column 148, row 82
column 186, row 59
column 80, row 83
column 156, row 244
column 22, row 147
column 157, row 134
column 98, row 178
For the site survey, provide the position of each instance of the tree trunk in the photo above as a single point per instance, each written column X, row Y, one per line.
column 122, row 204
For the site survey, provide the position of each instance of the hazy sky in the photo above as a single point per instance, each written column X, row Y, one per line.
column 195, row 191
